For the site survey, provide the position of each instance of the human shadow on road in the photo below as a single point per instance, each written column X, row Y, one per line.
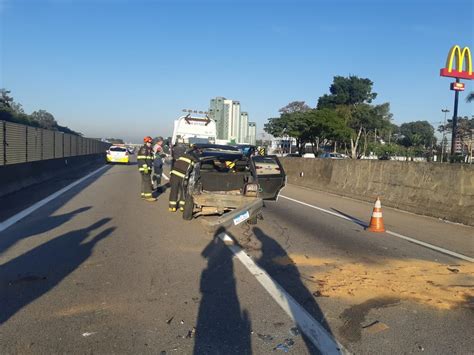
column 222, row 328
column 33, row 274
column 47, row 224
column 161, row 190
column 276, row 262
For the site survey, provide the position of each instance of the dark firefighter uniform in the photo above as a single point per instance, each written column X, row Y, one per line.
column 145, row 163
column 178, row 150
column 180, row 169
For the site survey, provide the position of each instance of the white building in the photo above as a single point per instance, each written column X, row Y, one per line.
column 232, row 124
column 235, row 122
column 244, row 128
column 252, row 133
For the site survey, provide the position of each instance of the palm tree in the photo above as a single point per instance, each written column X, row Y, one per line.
column 470, row 97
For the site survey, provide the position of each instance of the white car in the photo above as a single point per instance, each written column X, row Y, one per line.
column 118, row 154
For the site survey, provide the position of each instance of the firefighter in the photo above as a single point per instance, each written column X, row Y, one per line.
column 145, row 165
column 157, row 163
column 179, row 148
column 180, row 169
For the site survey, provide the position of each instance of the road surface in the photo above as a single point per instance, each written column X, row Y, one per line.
column 98, row 270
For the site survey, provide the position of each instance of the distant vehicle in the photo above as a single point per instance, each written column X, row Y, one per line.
column 117, row 154
column 230, row 184
column 328, row 155
column 194, row 130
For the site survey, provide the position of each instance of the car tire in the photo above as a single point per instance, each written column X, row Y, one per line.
column 188, row 208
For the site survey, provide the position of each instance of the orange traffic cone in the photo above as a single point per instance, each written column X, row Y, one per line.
column 376, row 222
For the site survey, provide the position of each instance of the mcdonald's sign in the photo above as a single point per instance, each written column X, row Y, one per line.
column 458, row 64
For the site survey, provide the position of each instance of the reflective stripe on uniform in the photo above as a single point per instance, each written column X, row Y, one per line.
column 145, row 157
column 181, row 202
column 147, row 194
column 172, row 202
column 177, row 173
column 185, row 159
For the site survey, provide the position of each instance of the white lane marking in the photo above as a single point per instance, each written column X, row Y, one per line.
column 315, row 332
column 12, row 220
column 431, row 246
column 426, row 245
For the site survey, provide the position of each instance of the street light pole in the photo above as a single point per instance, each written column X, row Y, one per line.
column 444, row 133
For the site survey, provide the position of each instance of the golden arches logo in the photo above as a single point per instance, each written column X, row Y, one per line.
column 457, row 59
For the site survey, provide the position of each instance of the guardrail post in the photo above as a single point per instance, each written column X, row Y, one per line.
column 4, row 143
column 26, row 143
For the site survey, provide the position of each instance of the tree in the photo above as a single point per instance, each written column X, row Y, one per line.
column 416, row 134
column 291, row 124
column 325, row 125
column 470, row 97
column 5, row 99
column 350, row 91
column 45, row 119
column 465, row 131
column 351, row 98
column 295, row 106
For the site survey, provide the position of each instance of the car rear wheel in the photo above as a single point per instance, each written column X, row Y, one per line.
column 188, row 208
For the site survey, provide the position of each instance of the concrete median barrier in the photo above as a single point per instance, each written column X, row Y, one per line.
column 15, row 177
column 438, row 190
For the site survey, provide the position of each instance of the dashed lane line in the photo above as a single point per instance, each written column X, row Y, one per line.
column 313, row 330
column 19, row 216
column 412, row 240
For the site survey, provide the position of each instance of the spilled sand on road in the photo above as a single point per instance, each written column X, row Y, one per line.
column 443, row 286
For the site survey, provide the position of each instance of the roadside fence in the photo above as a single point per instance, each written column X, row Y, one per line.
column 21, row 144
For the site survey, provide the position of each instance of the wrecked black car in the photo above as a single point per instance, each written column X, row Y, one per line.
column 230, row 184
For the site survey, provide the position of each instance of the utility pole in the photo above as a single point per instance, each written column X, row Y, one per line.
column 444, row 133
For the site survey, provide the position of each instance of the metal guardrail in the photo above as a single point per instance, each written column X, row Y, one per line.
column 21, row 144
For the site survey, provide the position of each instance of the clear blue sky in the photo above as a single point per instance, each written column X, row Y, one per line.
column 127, row 68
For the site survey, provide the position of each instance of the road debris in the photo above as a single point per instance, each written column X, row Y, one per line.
column 294, row 331
column 265, row 337
column 88, row 334
column 425, row 282
column 191, row 333
column 170, row 320
column 182, row 321
column 376, row 327
column 285, row 346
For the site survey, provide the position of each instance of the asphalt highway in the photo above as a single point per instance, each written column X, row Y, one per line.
column 98, row 270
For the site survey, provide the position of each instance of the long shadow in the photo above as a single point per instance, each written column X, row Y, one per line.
column 19, row 201
column 33, row 274
column 48, row 223
column 161, row 190
column 222, row 328
column 286, row 274
column 353, row 219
